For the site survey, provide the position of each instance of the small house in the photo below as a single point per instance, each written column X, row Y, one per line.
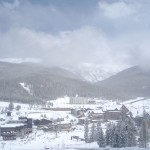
column 112, row 115
column 77, row 112
column 81, row 121
column 8, row 113
column 124, row 109
column 63, row 126
column 96, row 115
column 43, row 121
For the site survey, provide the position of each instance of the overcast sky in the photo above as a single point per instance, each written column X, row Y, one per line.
column 71, row 32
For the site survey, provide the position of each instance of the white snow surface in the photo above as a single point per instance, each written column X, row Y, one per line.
column 26, row 87
column 12, row 125
column 95, row 72
column 20, row 60
column 50, row 114
column 39, row 140
column 59, row 101
column 138, row 105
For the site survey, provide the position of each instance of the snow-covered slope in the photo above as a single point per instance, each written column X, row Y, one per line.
column 95, row 73
column 85, row 71
column 129, row 84
column 20, row 60
column 26, row 87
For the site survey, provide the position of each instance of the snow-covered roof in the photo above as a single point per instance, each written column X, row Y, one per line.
column 2, row 116
column 114, row 111
column 96, row 111
column 12, row 125
column 63, row 122
column 77, row 109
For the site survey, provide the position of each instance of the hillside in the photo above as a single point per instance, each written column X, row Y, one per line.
column 29, row 83
column 130, row 83
column 35, row 83
column 94, row 73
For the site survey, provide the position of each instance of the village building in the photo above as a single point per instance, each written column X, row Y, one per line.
column 124, row 109
column 117, row 113
column 58, row 108
column 42, row 121
column 81, row 121
column 112, row 115
column 81, row 100
column 63, row 126
column 92, row 102
column 95, row 115
column 12, row 131
column 28, row 122
column 78, row 112
column 16, row 128
column 8, row 113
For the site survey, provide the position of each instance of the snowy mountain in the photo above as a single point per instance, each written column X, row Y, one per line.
column 26, row 82
column 94, row 73
column 85, row 71
column 130, row 83
column 33, row 82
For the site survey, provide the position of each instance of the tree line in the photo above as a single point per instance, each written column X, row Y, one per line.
column 124, row 133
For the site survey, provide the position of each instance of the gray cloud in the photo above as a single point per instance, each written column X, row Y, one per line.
column 70, row 47
column 117, row 10
column 12, row 5
column 97, row 32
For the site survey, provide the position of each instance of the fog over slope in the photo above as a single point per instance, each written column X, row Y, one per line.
column 27, row 82
column 72, row 42
column 34, row 83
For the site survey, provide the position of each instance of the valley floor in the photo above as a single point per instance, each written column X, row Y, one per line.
column 40, row 140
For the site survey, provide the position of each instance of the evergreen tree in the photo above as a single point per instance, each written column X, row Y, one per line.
column 98, row 129
column 101, row 138
column 131, row 132
column 18, row 107
column 108, row 134
column 93, row 136
column 125, row 134
column 116, row 138
column 86, row 131
column 10, row 106
column 122, row 134
column 112, row 131
column 144, row 134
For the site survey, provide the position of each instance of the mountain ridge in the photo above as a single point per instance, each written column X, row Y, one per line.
column 45, row 83
column 130, row 83
column 37, row 83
